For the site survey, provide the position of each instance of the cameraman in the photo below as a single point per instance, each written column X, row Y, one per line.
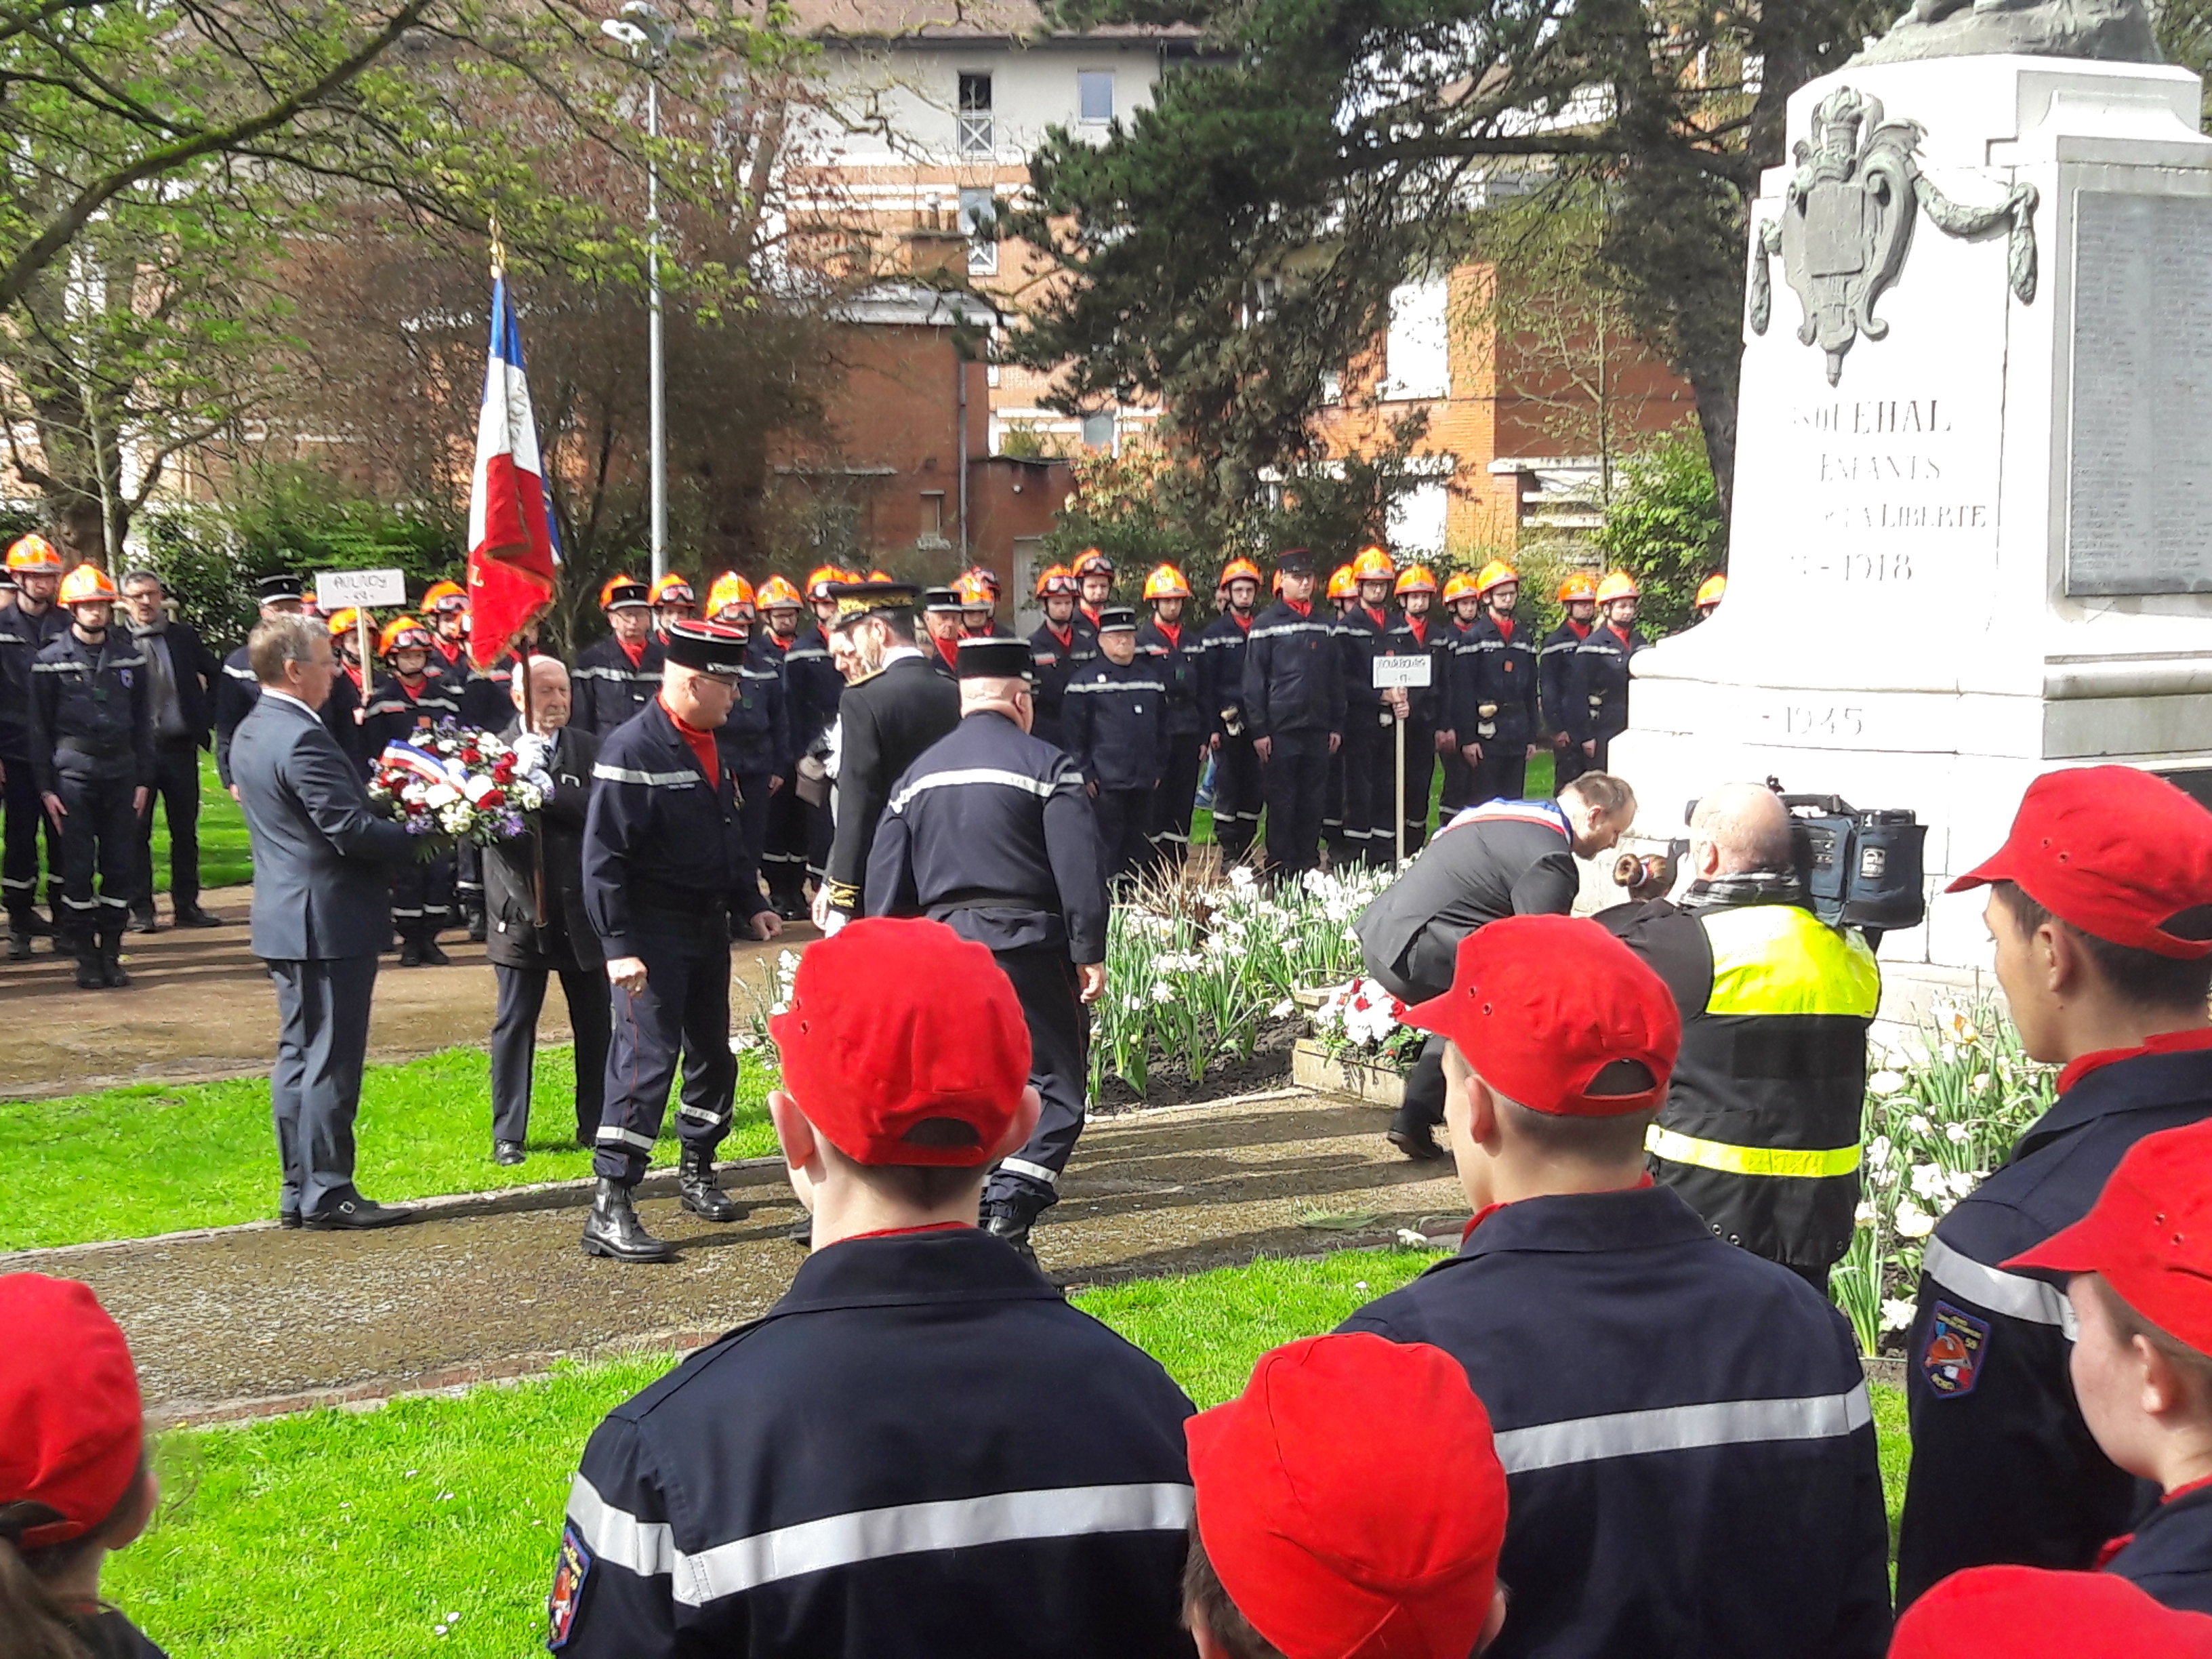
column 1761, row 1131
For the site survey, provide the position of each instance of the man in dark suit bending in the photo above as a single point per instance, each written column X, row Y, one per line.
column 321, row 915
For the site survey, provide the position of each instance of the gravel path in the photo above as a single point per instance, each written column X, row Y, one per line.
column 253, row 1319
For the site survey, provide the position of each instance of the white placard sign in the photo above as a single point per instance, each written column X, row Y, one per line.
column 1415, row 668
column 336, row 589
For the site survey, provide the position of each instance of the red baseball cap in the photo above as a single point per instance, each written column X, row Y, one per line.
column 2118, row 853
column 1542, row 1006
column 893, row 1023
column 2036, row 1613
column 1338, row 1534
column 2150, row 1233
column 68, row 1394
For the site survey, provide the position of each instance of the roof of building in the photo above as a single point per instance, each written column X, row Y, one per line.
column 962, row 19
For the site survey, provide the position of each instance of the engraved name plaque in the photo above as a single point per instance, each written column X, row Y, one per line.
column 2139, row 477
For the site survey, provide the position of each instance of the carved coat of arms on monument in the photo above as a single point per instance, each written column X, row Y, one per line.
column 1847, row 221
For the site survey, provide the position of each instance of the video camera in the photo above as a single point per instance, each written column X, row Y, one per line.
column 1861, row 868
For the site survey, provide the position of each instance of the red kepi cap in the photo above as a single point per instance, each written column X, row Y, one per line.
column 894, row 1024
column 1338, row 1534
column 1558, row 1016
column 68, row 1397
column 2150, row 1233
column 2033, row 1613
column 2119, row 853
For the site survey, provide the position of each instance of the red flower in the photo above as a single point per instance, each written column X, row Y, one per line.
column 1360, row 1002
column 471, row 756
column 492, row 797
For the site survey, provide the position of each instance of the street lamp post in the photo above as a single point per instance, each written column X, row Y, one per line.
column 647, row 35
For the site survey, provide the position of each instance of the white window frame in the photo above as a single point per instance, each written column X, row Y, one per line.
column 1417, row 350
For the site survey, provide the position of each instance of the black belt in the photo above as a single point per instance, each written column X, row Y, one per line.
column 648, row 895
column 977, row 898
column 91, row 751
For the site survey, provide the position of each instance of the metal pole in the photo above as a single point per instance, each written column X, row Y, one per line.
column 1399, row 798
column 660, row 439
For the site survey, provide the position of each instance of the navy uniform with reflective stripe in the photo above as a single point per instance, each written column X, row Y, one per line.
column 1054, row 657
column 1423, row 721
column 423, row 893
column 665, row 863
column 2003, row 1467
column 2169, row 1556
column 1760, row 1130
column 872, row 1471
column 1293, row 697
column 607, row 689
column 798, row 830
column 22, row 636
column 92, row 744
column 1236, row 799
column 237, row 691
column 1688, row 1447
column 1555, row 670
column 1371, row 770
column 1497, row 671
column 1115, row 725
column 992, row 833
column 756, row 745
column 1171, row 657
column 1599, row 703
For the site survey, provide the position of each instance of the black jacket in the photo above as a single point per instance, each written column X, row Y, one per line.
column 756, row 739
column 886, row 721
column 197, row 676
column 864, row 1473
column 1555, row 669
column 1491, row 672
column 1293, row 673
column 511, row 871
column 812, row 683
column 608, row 690
column 992, row 833
column 1427, row 709
column 2169, row 1556
column 1115, row 724
column 1599, row 703
column 1173, row 660
column 2003, row 1467
column 395, row 714
column 1052, row 661
column 1221, row 652
column 22, row 636
column 91, row 711
column 1688, row 1446
column 1506, row 858
column 1358, row 637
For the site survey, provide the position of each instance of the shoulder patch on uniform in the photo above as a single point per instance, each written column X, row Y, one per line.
column 570, row 1570
column 1957, row 1347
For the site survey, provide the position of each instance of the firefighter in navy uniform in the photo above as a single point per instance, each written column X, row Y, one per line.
column 1342, row 593
column 1370, row 768
column 2101, row 907
column 1555, row 669
column 1693, row 1469
column 942, row 619
column 1600, row 698
column 414, row 696
column 1294, row 708
column 1494, row 711
column 1236, row 797
column 798, row 827
column 1161, row 642
column 1116, row 726
column 617, row 676
column 1416, row 631
column 991, row 833
column 922, row 1449
column 27, row 627
column 1057, row 650
column 92, row 752
column 347, row 707
column 756, row 739
column 1463, row 611
column 665, row 863
column 1094, row 576
column 444, row 613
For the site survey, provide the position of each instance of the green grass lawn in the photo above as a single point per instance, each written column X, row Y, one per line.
column 225, row 857
column 203, row 1154
column 340, row 1533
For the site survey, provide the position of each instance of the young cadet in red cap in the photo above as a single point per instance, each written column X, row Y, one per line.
column 2101, row 904
column 2032, row 1613
column 2137, row 1271
column 921, row 1448
column 1324, row 1531
column 74, row 1482
column 1684, row 1427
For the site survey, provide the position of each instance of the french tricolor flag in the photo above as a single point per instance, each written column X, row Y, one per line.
column 513, row 549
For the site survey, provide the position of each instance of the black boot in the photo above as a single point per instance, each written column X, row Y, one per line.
column 18, row 945
column 695, row 1179
column 612, row 1230
column 91, row 971
column 111, row 963
column 410, row 951
column 1009, row 1218
column 141, row 917
column 432, row 956
column 479, row 926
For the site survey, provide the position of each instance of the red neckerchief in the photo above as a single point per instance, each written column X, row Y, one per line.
column 1614, row 628
column 1381, row 618
column 1504, row 625
column 903, row 1232
column 698, row 740
column 1089, row 614
column 1421, row 627
column 948, row 648
column 414, row 692
column 2165, row 1042
column 635, row 652
column 1305, row 609
column 452, row 657
column 1173, row 630
column 1244, row 621
column 782, row 643
column 1490, row 1210
column 1582, row 629
column 1068, row 639
column 355, row 676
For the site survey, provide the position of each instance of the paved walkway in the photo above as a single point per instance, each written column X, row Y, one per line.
column 199, row 1007
column 255, row 1318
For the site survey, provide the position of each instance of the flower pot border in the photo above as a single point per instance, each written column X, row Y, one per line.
column 1312, row 1066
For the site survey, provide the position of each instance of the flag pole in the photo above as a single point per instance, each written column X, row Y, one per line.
column 522, row 656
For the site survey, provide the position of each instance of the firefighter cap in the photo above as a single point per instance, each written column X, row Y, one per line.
column 941, row 600
column 403, row 634
column 33, row 556
column 444, row 596
column 1617, row 585
column 1372, row 564
column 1460, row 585
column 1496, row 574
column 1337, row 1534
column 69, row 1396
column 1093, row 563
column 974, row 595
column 1116, row 619
column 1558, row 1016
column 1416, row 579
column 623, row 593
column 1341, row 583
column 823, row 578
column 1239, row 570
column 1057, row 578
column 729, row 589
column 707, row 648
column 88, row 585
column 857, row 599
column 1578, row 589
column 344, row 621
column 2117, row 853
column 1295, row 562
column 279, row 590
column 672, row 589
column 2039, row 1613
column 1166, row 583
column 1712, row 590
column 777, row 593
column 903, row 1043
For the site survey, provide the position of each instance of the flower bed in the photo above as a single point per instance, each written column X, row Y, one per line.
column 1937, row 1122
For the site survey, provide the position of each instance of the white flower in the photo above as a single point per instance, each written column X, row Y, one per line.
column 1359, row 1285
column 1982, row 1080
column 1878, row 1153
column 1163, row 992
column 1896, row 1316
column 1412, row 1238
column 1282, row 1009
column 1864, row 1216
column 1957, row 1134
column 1913, row 1221
column 1929, row 1180
column 1964, row 1181
column 1241, row 877
column 1885, row 1083
column 1919, row 1125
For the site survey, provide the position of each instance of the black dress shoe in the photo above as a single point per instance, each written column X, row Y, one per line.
column 19, row 946
column 111, row 964
column 801, row 1231
column 433, row 956
column 411, row 954
column 612, row 1230
column 288, row 1219
column 1420, row 1145
column 356, row 1214
column 197, row 917
column 506, row 1151
column 91, row 974
column 141, row 921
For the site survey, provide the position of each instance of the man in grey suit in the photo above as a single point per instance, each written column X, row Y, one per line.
column 321, row 915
